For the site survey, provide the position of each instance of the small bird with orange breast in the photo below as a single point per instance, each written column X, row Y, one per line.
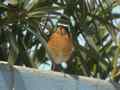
column 60, row 46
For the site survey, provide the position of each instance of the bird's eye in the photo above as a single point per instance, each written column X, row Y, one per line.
column 66, row 29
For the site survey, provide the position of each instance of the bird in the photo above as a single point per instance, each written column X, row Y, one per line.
column 60, row 46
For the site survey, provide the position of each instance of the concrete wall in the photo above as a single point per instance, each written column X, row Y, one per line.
column 31, row 79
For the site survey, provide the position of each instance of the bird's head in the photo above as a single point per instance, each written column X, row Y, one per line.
column 63, row 29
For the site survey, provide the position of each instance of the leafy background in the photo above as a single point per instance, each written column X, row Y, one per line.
column 25, row 26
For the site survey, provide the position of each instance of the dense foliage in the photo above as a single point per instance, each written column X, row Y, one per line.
column 27, row 24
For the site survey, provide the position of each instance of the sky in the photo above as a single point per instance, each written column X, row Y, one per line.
column 116, row 10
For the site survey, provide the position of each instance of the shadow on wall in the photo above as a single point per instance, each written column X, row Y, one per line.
column 12, row 78
column 116, row 85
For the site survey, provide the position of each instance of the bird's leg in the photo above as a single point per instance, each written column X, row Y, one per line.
column 59, row 67
column 56, row 67
column 53, row 66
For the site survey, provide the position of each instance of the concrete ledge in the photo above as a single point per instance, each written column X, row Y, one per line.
column 22, row 78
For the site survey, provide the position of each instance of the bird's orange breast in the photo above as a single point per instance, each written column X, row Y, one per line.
column 60, row 46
